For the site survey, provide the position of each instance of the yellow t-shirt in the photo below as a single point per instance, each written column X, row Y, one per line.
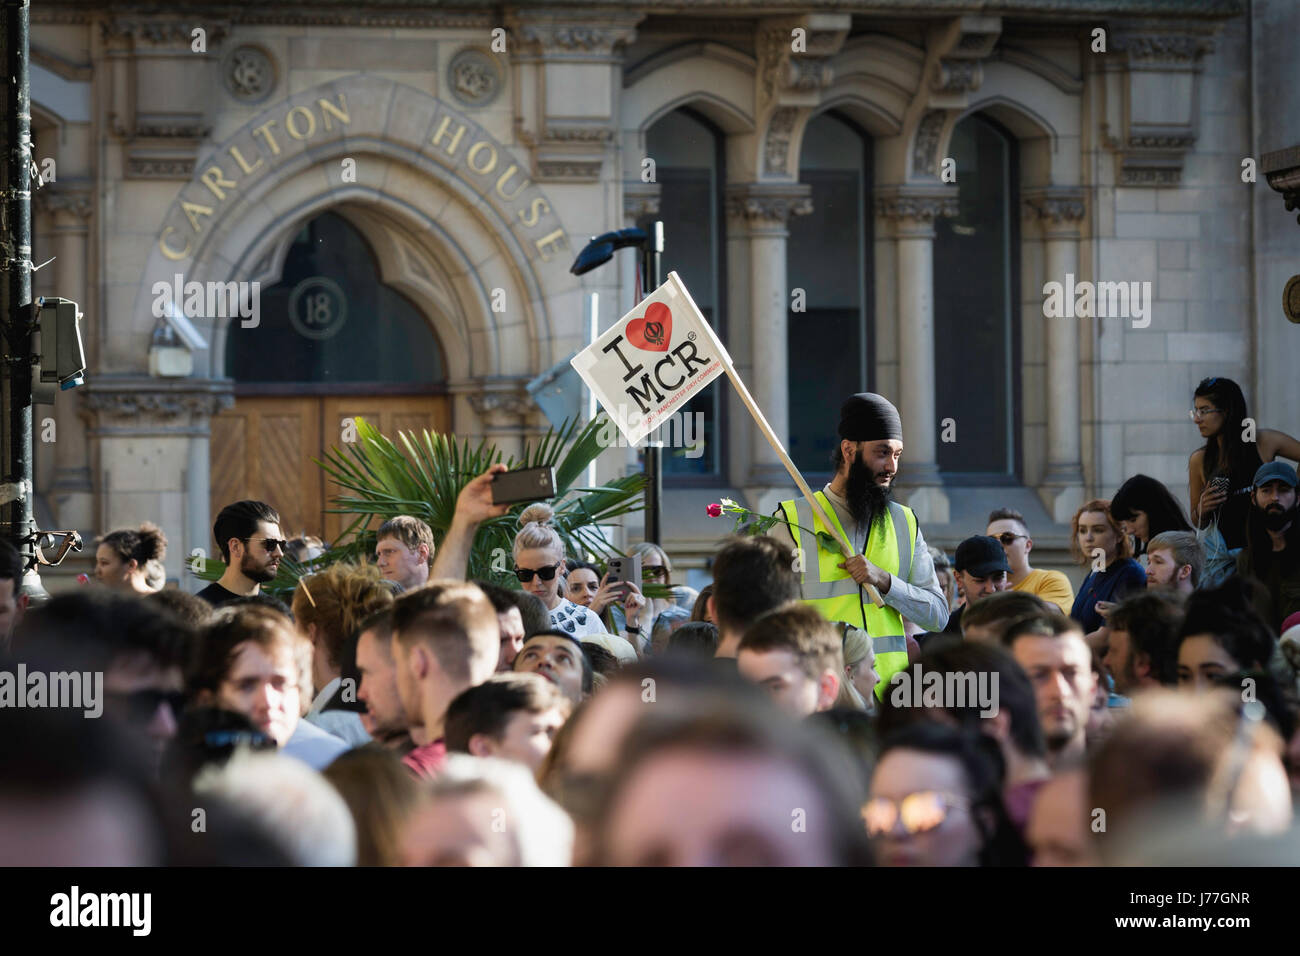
column 1050, row 586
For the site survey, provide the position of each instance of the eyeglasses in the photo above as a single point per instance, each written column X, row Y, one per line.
column 656, row 571
column 141, row 705
column 1007, row 538
column 1196, row 414
column 921, row 812
column 546, row 574
column 271, row 544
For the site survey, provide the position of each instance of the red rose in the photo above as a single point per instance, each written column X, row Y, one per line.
column 714, row 510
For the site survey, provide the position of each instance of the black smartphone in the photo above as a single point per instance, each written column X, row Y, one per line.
column 526, row 484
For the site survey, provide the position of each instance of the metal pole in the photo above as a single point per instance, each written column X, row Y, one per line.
column 16, row 521
column 654, row 488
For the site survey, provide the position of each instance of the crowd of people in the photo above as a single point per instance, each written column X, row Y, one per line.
column 867, row 702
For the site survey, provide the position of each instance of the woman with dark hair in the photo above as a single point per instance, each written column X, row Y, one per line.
column 936, row 800
column 1221, row 635
column 121, row 557
column 1220, row 474
column 1145, row 508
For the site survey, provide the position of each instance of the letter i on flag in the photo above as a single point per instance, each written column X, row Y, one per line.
column 653, row 361
column 659, row 356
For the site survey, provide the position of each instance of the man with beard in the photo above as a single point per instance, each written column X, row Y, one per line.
column 889, row 550
column 248, row 534
column 1272, row 551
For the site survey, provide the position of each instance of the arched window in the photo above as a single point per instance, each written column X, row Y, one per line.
column 828, row 259
column 690, row 169
column 331, row 320
column 976, row 311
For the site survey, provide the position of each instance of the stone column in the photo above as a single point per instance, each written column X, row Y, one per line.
column 911, row 212
column 1060, row 212
column 152, row 439
column 757, row 213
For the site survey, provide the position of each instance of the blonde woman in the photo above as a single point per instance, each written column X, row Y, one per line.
column 858, row 689
column 539, row 559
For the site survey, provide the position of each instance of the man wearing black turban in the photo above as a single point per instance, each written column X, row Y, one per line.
column 860, row 495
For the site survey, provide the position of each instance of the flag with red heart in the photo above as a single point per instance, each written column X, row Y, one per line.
column 653, row 361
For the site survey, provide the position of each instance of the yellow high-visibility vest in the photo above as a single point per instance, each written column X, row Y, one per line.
column 834, row 593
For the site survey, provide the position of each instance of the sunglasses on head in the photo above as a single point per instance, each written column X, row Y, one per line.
column 141, row 705
column 920, row 812
column 546, row 574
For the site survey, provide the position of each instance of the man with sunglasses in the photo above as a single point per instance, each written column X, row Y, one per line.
column 1009, row 528
column 248, row 535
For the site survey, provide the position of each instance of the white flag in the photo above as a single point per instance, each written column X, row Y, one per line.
column 653, row 360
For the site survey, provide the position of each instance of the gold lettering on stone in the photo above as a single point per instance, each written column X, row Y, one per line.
column 243, row 164
column 492, row 162
column 340, row 112
column 215, row 180
column 311, row 122
column 168, row 251
column 265, row 130
column 530, row 215
column 505, row 178
column 194, row 209
column 442, row 130
column 556, row 238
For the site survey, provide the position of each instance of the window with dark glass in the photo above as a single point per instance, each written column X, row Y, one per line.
column 975, row 311
column 689, row 167
column 827, row 264
column 331, row 319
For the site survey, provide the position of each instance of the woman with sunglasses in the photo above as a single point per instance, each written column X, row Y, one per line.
column 936, row 800
column 539, row 558
column 1220, row 474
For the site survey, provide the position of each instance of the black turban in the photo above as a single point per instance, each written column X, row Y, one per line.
column 869, row 417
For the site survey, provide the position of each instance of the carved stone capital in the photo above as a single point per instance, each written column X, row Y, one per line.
column 962, row 45
column 499, row 403
column 1282, row 170
column 161, row 32
column 768, row 204
column 76, row 203
column 640, row 199
column 1057, row 209
column 1155, row 47
column 147, row 406
column 912, row 211
column 560, row 34
column 794, row 56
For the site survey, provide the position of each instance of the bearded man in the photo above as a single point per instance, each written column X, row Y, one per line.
column 1272, row 551
column 889, row 551
column 248, row 535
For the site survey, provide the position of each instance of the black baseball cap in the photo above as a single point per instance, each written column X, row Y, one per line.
column 981, row 555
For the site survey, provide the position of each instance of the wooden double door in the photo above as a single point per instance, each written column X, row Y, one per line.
column 263, row 447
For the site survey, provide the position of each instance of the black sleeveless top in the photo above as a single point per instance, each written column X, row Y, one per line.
column 1235, row 510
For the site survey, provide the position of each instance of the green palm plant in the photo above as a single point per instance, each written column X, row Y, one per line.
column 422, row 474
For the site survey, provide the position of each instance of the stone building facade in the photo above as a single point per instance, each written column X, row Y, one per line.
column 436, row 171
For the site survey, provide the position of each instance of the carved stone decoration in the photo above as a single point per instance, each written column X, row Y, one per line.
column 776, row 147
column 1282, row 170
column 568, row 170
column 579, row 134
column 249, row 73
column 1057, row 206
column 768, row 203
column 501, row 409
column 159, row 167
column 474, row 78
column 640, row 199
column 180, row 129
column 569, row 38
column 128, row 405
column 957, row 76
column 62, row 200
column 1151, row 109
column 925, row 147
column 161, row 32
column 922, row 207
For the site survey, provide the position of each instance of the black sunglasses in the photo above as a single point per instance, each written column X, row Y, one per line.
column 141, row 705
column 1007, row 537
column 271, row 543
column 546, row 574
